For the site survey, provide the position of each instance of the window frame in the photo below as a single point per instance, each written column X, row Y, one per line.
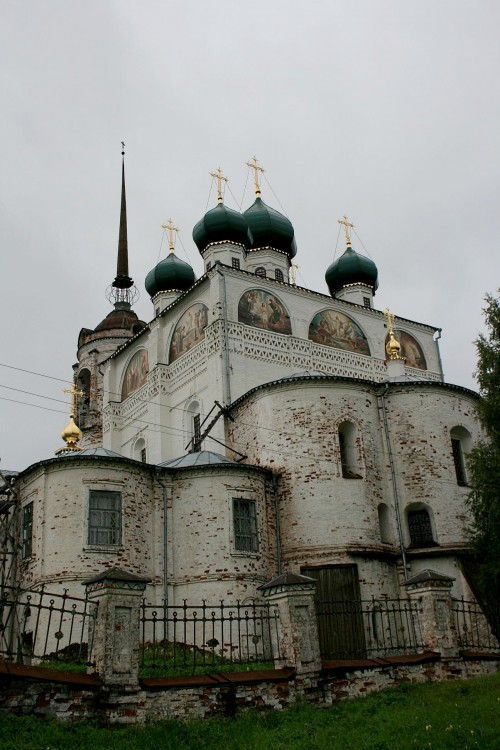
column 424, row 541
column 261, row 272
column 459, row 461
column 114, row 528
column 279, row 275
column 250, row 535
column 235, row 263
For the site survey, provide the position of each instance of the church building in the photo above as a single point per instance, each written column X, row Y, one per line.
column 252, row 427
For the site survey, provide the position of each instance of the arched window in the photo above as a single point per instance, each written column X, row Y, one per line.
column 461, row 443
column 384, row 524
column 193, row 426
column 83, row 402
column 420, row 528
column 261, row 271
column 278, row 274
column 349, row 458
column 140, row 453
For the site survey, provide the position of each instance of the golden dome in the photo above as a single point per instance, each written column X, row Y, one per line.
column 393, row 347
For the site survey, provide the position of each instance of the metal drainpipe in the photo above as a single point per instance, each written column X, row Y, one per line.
column 277, row 524
column 226, row 342
column 439, row 331
column 165, row 494
column 394, row 482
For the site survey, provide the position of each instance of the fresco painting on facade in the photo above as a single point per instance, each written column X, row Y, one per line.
column 410, row 349
column 332, row 328
column 136, row 373
column 189, row 331
column 263, row 310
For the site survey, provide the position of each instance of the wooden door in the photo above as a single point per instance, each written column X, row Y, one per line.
column 339, row 611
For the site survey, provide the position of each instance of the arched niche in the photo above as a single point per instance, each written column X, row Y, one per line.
column 410, row 349
column 189, row 330
column 136, row 373
column 384, row 524
column 261, row 309
column 333, row 328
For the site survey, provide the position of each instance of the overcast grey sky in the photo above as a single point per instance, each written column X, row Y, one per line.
column 387, row 110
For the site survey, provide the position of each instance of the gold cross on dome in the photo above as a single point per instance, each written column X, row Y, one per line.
column 254, row 164
column 74, row 393
column 171, row 229
column 220, row 179
column 293, row 268
column 390, row 319
column 347, row 225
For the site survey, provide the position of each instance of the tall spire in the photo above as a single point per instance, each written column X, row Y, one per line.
column 122, row 289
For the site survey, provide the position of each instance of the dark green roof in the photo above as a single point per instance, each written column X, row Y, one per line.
column 351, row 268
column 171, row 274
column 270, row 228
column 222, row 224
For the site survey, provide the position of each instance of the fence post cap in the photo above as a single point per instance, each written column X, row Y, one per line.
column 120, row 578
column 288, row 580
column 429, row 578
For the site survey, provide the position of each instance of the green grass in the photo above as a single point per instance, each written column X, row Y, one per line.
column 455, row 715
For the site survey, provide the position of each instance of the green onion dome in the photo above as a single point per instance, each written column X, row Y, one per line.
column 351, row 268
column 222, row 224
column 170, row 275
column 270, row 228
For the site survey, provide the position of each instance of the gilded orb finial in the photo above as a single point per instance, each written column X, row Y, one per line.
column 254, row 164
column 393, row 347
column 171, row 229
column 71, row 433
column 220, row 179
column 347, row 227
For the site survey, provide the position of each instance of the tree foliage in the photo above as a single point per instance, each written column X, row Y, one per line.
column 484, row 459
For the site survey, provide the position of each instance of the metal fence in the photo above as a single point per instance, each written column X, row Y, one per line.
column 38, row 626
column 477, row 627
column 189, row 638
column 368, row 628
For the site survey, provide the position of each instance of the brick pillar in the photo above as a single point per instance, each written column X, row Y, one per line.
column 432, row 591
column 116, row 632
column 295, row 640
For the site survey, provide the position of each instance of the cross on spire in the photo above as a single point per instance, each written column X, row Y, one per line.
column 293, row 268
column 347, row 226
column 74, row 393
column 390, row 319
column 171, row 229
column 220, row 179
column 254, row 164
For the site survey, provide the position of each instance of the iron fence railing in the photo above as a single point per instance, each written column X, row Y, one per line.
column 38, row 626
column 477, row 627
column 191, row 638
column 368, row 628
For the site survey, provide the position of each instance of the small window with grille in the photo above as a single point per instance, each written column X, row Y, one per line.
column 367, row 302
column 278, row 274
column 419, row 526
column 235, row 263
column 245, row 525
column 143, row 455
column 260, row 271
column 27, row 531
column 209, row 265
column 105, row 518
